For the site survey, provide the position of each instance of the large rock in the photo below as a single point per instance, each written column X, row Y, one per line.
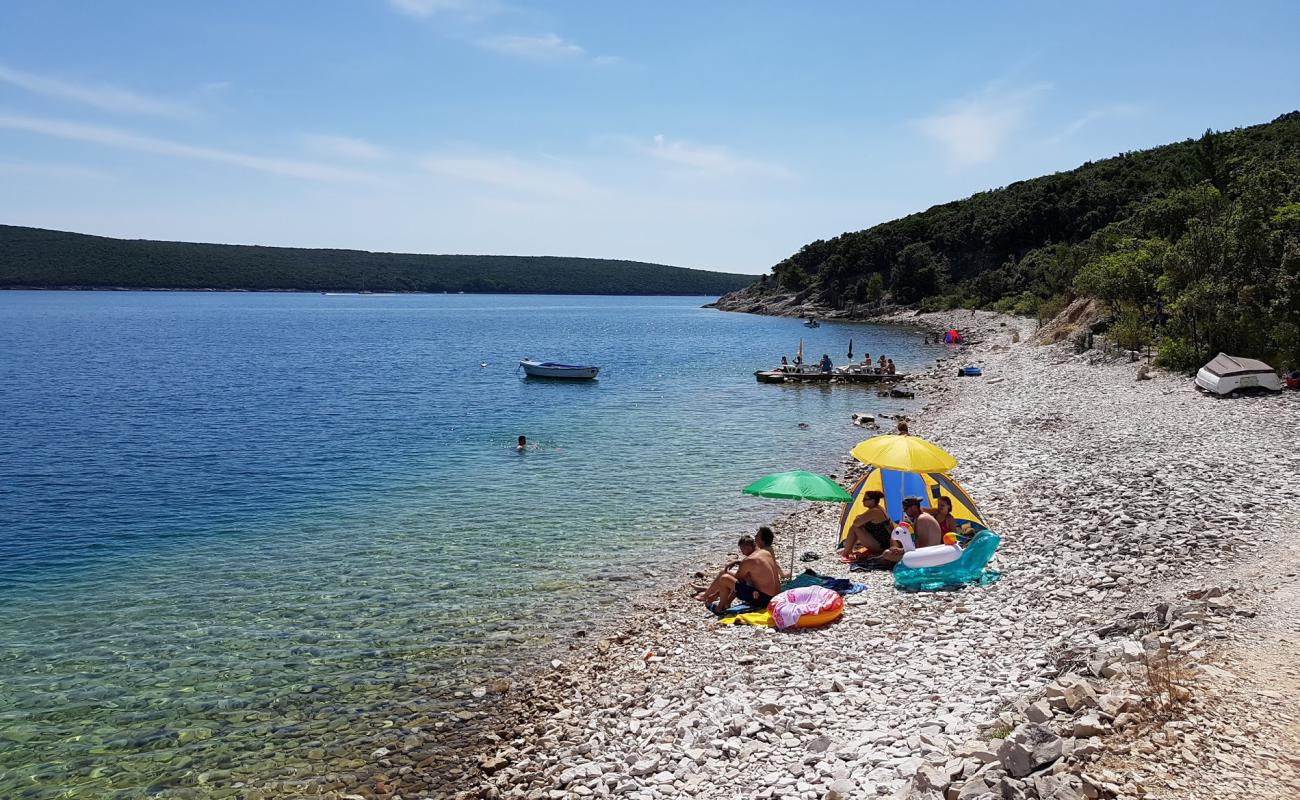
column 1059, row 787
column 1080, row 695
column 1029, row 747
column 1039, row 712
column 1087, row 726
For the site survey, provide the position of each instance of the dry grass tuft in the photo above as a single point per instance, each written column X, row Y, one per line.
column 1166, row 683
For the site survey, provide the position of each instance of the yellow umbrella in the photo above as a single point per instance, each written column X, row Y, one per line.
column 904, row 453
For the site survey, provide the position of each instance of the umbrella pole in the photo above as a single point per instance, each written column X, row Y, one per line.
column 794, row 539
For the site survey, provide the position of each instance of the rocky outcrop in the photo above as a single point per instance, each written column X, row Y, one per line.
column 760, row 299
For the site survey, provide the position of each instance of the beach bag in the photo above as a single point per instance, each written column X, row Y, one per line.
column 805, row 607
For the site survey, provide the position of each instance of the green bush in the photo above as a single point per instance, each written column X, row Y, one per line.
column 1129, row 331
column 1177, row 354
column 1049, row 308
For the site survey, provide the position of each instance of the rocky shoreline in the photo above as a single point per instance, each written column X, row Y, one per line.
column 1147, row 551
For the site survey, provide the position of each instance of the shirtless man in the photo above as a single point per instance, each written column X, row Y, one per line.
column 765, row 539
column 928, row 532
column 756, row 581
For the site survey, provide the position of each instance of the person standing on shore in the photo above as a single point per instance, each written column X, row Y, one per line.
column 926, row 527
column 903, row 429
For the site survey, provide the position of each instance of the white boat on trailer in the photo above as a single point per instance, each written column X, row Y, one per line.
column 550, row 369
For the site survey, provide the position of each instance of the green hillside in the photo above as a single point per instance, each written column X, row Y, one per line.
column 1195, row 246
column 33, row 257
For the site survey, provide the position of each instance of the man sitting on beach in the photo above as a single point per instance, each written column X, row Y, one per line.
column 756, row 580
column 765, row 539
column 926, row 527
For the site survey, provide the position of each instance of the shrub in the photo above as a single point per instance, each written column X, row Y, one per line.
column 1177, row 354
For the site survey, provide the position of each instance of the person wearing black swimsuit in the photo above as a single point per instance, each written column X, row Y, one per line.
column 868, row 538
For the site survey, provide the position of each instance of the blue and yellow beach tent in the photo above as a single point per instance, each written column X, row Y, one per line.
column 895, row 485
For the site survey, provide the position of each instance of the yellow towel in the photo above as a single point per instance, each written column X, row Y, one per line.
column 758, row 618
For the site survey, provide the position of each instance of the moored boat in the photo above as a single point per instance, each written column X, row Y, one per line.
column 551, row 369
column 811, row 373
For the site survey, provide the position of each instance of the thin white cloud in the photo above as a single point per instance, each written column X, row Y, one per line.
column 428, row 8
column 504, row 171
column 974, row 130
column 542, row 47
column 706, row 159
column 126, row 140
column 1097, row 114
column 74, row 172
column 343, row 147
column 215, row 87
column 114, row 99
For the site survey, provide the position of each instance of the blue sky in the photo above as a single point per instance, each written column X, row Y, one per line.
column 715, row 135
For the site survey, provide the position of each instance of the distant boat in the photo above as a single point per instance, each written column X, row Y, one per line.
column 550, row 369
column 812, row 323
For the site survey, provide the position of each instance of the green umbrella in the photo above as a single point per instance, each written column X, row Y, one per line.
column 798, row 485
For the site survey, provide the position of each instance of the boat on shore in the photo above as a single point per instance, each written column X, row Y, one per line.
column 551, row 369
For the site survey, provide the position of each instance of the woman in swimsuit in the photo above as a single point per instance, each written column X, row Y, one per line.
column 869, row 537
column 943, row 515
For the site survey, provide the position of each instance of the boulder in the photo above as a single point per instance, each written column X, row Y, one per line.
column 1059, row 787
column 1030, row 746
column 1087, row 726
column 1080, row 695
column 842, row 789
column 1039, row 712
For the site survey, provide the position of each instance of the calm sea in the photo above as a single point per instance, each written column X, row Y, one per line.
column 228, row 519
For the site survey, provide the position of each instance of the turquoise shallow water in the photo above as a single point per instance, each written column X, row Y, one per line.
column 236, row 530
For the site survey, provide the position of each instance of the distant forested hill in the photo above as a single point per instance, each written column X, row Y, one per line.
column 33, row 257
column 1194, row 246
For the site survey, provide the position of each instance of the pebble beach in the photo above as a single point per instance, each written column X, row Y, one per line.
column 1139, row 643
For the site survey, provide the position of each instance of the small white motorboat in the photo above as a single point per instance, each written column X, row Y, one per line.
column 550, row 369
column 1226, row 374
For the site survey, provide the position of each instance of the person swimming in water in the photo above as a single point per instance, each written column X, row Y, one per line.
column 523, row 444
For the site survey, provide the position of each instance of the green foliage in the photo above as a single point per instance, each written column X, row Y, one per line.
column 1049, row 308
column 918, row 273
column 40, row 258
column 1178, row 354
column 1129, row 330
column 871, row 290
column 1202, row 235
column 1125, row 276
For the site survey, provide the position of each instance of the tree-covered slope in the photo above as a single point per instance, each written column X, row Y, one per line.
column 33, row 257
column 1194, row 245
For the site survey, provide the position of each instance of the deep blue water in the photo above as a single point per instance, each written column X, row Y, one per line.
column 311, row 504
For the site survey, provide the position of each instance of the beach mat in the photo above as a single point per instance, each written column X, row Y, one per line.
column 808, row 577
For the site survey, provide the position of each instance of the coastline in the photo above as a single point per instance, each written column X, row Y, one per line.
column 1094, row 479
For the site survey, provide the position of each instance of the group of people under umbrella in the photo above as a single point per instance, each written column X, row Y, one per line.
column 907, row 477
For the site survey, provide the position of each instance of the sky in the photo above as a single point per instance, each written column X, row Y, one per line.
column 717, row 135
